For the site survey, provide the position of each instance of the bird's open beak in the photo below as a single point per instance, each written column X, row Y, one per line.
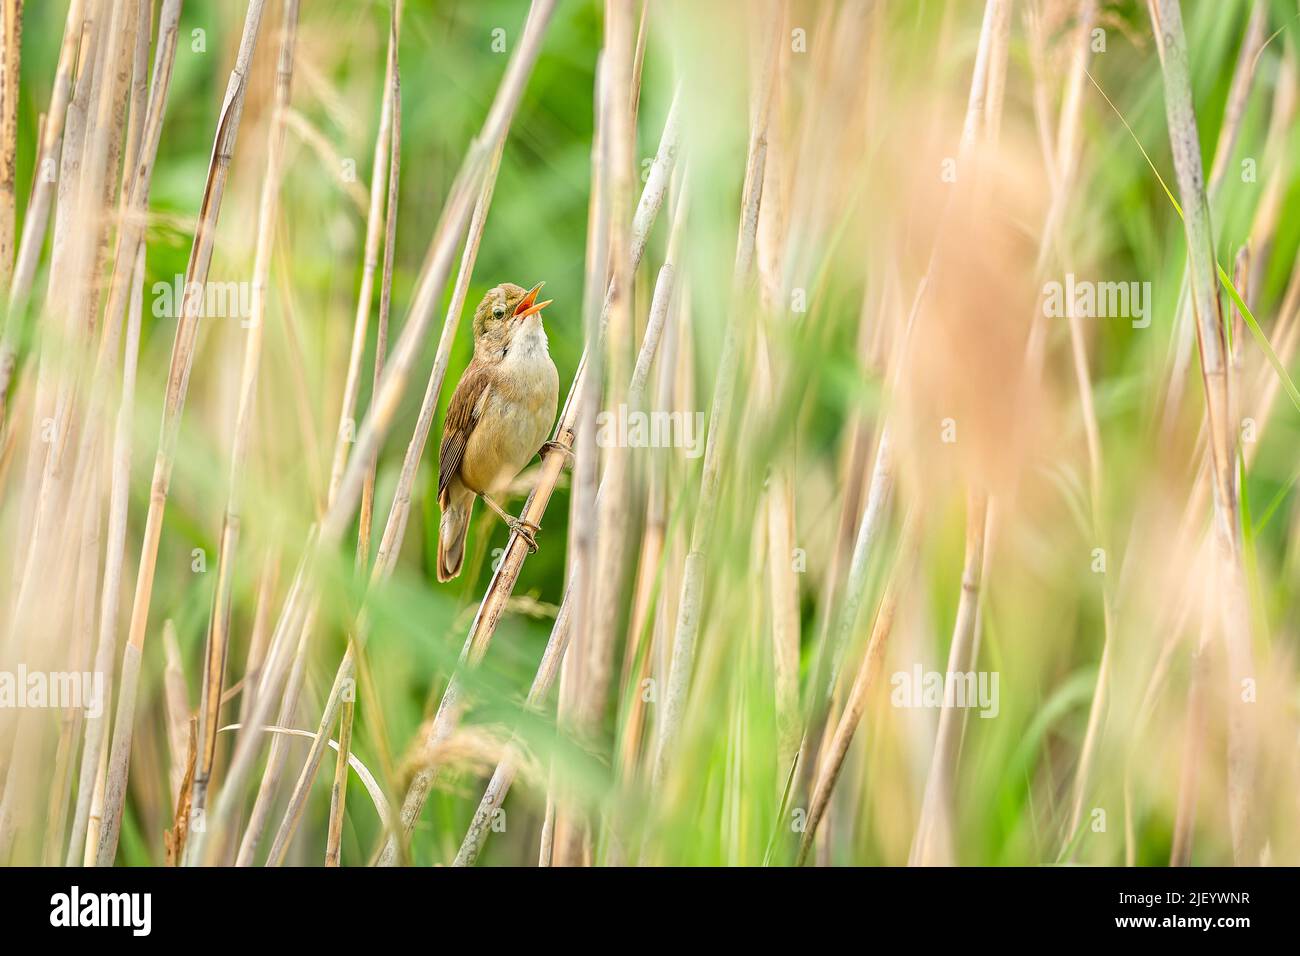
column 529, row 305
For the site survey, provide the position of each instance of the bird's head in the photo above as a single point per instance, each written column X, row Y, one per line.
column 504, row 312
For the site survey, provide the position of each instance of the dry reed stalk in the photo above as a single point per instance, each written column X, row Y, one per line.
column 1263, row 226
column 369, row 266
column 338, row 789
column 1036, row 40
column 177, row 697
column 1180, row 850
column 82, row 218
column 11, row 48
column 504, row 774
column 600, row 544
column 273, row 770
column 686, row 629
column 218, row 637
column 856, row 546
column 141, row 144
column 260, row 633
column 94, row 760
column 72, row 303
column 617, row 138
column 93, row 757
column 37, row 215
column 580, row 556
column 651, row 581
column 995, row 86
column 264, row 802
column 1166, row 18
column 135, row 206
column 1065, row 150
column 338, row 786
column 82, row 644
column 66, row 171
column 1264, row 392
column 638, row 62
column 880, row 488
column 1194, row 731
column 494, row 602
column 1252, row 45
column 832, row 759
column 933, row 843
column 776, row 514
column 183, row 349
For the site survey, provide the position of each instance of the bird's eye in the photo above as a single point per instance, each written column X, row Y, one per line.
column 499, row 312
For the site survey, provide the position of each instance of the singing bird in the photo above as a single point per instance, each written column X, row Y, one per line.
column 499, row 417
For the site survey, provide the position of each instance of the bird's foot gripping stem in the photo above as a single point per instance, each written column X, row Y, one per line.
column 525, row 529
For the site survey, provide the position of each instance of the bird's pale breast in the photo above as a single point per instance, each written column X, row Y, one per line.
column 516, row 417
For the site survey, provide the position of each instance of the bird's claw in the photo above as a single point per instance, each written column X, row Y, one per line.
column 526, row 530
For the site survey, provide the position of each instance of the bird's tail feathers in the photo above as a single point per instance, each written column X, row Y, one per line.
column 452, row 531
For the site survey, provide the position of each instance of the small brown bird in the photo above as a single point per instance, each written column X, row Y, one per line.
column 499, row 417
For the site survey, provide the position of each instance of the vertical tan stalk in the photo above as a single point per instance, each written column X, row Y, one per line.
column 177, row 385
column 339, row 786
column 686, row 629
column 581, row 552
column 1066, row 151
column 37, row 215
column 1243, row 76
column 933, row 843
column 832, row 759
column 1211, row 337
column 618, row 141
column 11, row 47
column 115, row 545
column 82, row 640
column 777, row 508
column 218, row 638
column 178, row 712
column 365, row 297
column 72, row 304
column 610, row 511
column 381, row 180
column 654, row 587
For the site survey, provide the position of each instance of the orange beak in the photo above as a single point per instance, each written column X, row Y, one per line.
column 529, row 305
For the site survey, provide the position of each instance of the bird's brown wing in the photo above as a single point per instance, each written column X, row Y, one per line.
column 462, row 416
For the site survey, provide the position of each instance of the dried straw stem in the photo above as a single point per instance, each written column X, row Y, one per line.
column 218, row 637
column 1211, row 336
column 11, row 47
column 832, row 758
column 177, row 385
column 687, row 627
column 38, row 207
